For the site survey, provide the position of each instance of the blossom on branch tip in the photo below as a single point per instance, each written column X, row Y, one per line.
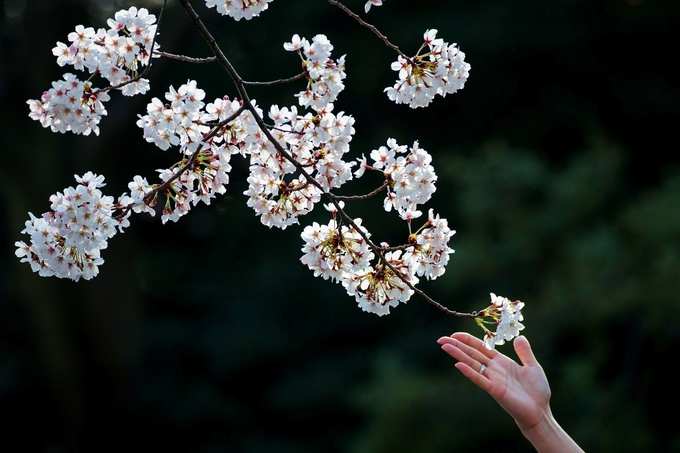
column 506, row 315
column 438, row 68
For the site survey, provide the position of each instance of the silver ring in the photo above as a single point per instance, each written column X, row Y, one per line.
column 482, row 368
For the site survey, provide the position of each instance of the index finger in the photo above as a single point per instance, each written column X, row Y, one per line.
column 475, row 343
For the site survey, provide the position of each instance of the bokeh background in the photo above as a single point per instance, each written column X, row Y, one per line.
column 558, row 167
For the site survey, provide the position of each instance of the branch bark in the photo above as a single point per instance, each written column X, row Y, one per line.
column 370, row 27
column 366, row 196
column 277, row 81
column 186, row 59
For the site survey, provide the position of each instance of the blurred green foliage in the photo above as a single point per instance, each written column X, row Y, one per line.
column 558, row 168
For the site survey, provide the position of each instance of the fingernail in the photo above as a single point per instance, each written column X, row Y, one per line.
column 441, row 340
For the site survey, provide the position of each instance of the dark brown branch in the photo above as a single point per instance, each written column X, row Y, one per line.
column 371, row 27
column 186, row 59
column 302, row 75
column 243, row 93
column 366, row 196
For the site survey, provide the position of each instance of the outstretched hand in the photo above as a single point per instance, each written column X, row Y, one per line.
column 522, row 390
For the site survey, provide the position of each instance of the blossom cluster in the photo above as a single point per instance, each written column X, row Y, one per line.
column 506, row 315
column 205, row 177
column 340, row 253
column 430, row 249
column 440, row 69
column 239, row 9
column 324, row 75
column 411, row 177
column 66, row 242
column 185, row 121
column 116, row 54
column 180, row 121
column 70, row 106
column 295, row 156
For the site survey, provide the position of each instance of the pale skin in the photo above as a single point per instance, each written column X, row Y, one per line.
column 521, row 389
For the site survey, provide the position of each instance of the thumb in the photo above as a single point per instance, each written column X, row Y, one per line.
column 524, row 352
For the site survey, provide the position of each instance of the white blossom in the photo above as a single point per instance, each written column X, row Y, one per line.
column 378, row 287
column 67, row 241
column 239, row 9
column 324, row 75
column 410, row 175
column 430, row 252
column 335, row 252
column 370, row 3
column 116, row 54
column 508, row 316
column 440, row 70
column 318, row 141
column 70, row 106
column 179, row 121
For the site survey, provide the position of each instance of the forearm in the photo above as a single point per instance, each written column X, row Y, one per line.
column 548, row 436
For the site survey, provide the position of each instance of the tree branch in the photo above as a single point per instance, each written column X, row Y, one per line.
column 371, row 27
column 366, row 196
column 240, row 88
column 299, row 76
column 186, row 59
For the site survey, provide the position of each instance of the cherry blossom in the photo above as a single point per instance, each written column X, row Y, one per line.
column 70, row 106
column 438, row 68
column 507, row 315
column 410, row 175
column 430, row 252
column 296, row 155
column 239, row 9
column 179, row 121
column 67, row 241
column 335, row 251
column 379, row 288
column 115, row 54
column 370, row 3
column 324, row 75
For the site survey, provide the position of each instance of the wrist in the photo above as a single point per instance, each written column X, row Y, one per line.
column 541, row 432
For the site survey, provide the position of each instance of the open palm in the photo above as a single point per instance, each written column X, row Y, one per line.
column 522, row 390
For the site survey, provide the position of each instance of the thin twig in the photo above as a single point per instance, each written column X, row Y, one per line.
column 366, row 196
column 186, row 59
column 371, row 27
column 240, row 88
column 299, row 76
column 396, row 247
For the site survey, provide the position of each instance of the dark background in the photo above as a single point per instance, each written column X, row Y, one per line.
column 558, row 167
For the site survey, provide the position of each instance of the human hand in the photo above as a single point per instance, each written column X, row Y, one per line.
column 522, row 390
